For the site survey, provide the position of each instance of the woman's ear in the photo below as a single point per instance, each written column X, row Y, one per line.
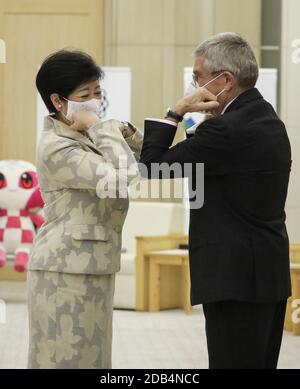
column 56, row 101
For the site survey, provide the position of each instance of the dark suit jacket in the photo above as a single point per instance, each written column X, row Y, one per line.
column 239, row 246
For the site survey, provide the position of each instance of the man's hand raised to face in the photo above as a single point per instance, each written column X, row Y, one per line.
column 200, row 101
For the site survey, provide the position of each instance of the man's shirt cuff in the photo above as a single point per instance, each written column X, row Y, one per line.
column 165, row 121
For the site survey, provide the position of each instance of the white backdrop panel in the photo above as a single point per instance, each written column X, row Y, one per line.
column 117, row 83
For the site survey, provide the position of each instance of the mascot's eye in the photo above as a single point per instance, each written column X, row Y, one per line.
column 2, row 181
column 26, row 181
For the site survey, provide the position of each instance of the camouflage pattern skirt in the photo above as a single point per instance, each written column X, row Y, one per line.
column 70, row 320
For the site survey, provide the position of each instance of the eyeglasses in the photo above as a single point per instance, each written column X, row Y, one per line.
column 195, row 83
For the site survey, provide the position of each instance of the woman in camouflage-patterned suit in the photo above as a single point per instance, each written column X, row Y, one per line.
column 76, row 253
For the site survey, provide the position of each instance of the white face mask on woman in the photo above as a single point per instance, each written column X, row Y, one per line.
column 93, row 105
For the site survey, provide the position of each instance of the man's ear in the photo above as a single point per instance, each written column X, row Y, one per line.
column 56, row 101
column 230, row 80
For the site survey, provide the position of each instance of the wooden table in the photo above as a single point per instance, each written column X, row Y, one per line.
column 146, row 244
column 292, row 321
column 169, row 280
column 295, row 253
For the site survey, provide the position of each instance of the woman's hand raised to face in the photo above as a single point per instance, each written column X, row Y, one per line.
column 200, row 101
column 83, row 120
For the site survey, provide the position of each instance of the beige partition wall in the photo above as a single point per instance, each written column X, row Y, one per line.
column 290, row 106
column 32, row 29
column 242, row 16
column 157, row 37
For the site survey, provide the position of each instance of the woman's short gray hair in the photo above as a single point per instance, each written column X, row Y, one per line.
column 229, row 51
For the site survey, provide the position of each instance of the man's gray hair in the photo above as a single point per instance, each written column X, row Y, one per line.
column 229, row 51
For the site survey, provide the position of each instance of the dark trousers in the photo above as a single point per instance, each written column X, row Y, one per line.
column 244, row 335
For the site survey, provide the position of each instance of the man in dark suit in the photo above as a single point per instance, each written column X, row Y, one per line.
column 238, row 242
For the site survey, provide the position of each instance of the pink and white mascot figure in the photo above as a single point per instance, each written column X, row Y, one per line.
column 20, row 202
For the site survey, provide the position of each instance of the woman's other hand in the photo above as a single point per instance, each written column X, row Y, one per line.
column 83, row 120
column 127, row 129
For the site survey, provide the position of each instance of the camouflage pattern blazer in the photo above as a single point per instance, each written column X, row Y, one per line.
column 82, row 231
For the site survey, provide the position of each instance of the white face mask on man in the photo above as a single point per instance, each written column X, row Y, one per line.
column 192, row 87
column 93, row 105
column 214, row 79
